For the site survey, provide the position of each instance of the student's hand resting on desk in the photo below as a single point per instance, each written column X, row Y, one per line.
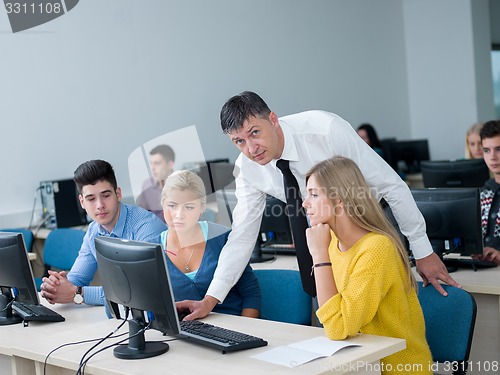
column 490, row 254
column 57, row 288
column 197, row 309
column 432, row 269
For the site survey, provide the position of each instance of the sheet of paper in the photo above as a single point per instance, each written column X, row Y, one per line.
column 302, row 352
column 322, row 345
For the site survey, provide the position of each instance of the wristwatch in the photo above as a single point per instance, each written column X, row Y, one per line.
column 78, row 298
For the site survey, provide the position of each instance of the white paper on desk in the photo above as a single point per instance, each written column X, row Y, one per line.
column 303, row 351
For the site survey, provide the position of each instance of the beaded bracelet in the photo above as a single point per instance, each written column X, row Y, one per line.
column 319, row 265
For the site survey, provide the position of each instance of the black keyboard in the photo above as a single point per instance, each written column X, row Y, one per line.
column 468, row 263
column 278, row 249
column 36, row 312
column 220, row 338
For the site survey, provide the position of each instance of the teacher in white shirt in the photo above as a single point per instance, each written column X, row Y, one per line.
column 304, row 139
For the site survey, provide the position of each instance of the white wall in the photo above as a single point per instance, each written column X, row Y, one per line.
column 442, row 74
column 110, row 75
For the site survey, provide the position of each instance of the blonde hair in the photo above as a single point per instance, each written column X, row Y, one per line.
column 341, row 178
column 474, row 129
column 184, row 180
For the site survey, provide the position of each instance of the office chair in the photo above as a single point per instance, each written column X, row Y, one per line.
column 61, row 249
column 283, row 298
column 27, row 235
column 449, row 324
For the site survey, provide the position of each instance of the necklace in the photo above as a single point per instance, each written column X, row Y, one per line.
column 186, row 264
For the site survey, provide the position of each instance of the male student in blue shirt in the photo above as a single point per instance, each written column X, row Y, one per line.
column 101, row 198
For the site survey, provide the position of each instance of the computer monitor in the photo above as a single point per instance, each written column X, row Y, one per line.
column 216, row 175
column 454, row 173
column 134, row 275
column 16, row 276
column 221, row 174
column 405, row 156
column 274, row 229
column 453, row 219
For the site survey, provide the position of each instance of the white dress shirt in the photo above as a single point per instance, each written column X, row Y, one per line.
column 310, row 137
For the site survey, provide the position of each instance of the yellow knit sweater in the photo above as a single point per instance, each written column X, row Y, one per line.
column 373, row 299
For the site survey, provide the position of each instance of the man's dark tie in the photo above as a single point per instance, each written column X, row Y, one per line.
column 298, row 222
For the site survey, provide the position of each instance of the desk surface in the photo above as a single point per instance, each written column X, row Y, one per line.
column 483, row 281
column 34, row 342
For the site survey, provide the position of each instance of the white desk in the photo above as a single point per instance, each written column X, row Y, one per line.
column 23, row 349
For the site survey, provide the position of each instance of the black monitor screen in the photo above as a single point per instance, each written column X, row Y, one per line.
column 405, row 156
column 275, row 234
column 216, row 175
column 453, row 219
column 454, row 173
column 16, row 276
column 134, row 275
column 221, row 174
column 275, row 227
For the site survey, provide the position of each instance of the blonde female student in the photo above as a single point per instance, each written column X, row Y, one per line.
column 362, row 273
column 193, row 247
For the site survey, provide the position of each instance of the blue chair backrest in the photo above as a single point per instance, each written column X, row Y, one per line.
column 27, row 235
column 449, row 322
column 61, row 247
column 283, row 298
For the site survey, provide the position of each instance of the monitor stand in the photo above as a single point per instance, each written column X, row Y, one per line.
column 6, row 315
column 258, row 257
column 137, row 346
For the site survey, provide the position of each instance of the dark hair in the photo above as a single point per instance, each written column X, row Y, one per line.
column 93, row 171
column 490, row 129
column 165, row 151
column 240, row 108
column 371, row 133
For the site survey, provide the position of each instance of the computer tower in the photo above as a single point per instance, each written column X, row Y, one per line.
column 61, row 206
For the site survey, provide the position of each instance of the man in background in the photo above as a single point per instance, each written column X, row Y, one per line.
column 161, row 163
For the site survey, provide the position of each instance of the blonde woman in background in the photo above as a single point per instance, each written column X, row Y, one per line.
column 361, row 268
column 473, row 148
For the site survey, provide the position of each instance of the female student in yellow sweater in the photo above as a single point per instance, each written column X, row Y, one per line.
column 362, row 273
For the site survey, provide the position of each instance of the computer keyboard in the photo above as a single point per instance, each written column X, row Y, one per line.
column 220, row 338
column 475, row 264
column 36, row 312
column 280, row 249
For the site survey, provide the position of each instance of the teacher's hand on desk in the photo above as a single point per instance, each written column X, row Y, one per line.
column 196, row 309
column 57, row 288
column 432, row 270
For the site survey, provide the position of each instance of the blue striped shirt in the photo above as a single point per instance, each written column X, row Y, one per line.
column 134, row 223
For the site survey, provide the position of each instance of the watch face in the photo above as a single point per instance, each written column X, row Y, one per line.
column 78, row 299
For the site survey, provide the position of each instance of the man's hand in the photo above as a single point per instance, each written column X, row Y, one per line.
column 197, row 309
column 57, row 289
column 432, row 269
